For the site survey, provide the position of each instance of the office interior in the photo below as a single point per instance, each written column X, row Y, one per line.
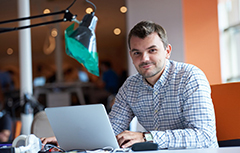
column 202, row 32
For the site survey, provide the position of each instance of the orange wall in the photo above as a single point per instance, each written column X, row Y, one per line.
column 201, row 36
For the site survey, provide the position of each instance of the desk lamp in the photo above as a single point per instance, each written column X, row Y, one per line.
column 80, row 43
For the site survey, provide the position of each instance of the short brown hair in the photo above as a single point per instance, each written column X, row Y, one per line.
column 145, row 28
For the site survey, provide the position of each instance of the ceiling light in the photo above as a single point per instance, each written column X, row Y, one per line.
column 123, row 9
column 89, row 10
column 9, row 51
column 46, row 11
column 117, row 31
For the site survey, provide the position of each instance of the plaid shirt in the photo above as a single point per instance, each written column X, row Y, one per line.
column 177, row 110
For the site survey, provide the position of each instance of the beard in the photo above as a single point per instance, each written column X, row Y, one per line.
column 150, row 72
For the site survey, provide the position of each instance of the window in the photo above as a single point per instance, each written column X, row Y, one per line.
column 229, row 26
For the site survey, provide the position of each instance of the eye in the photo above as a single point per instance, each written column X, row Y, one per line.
column 136, row 53
column 152, row 50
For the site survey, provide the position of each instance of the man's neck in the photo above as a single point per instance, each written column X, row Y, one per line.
column 152, row 80
column 149, row 83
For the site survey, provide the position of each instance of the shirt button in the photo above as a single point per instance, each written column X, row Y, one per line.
column 156, row 111
column 155, row 93
column 156, row 129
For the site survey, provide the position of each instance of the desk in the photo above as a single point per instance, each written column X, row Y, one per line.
column 211, row 150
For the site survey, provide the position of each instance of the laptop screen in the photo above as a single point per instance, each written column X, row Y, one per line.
column 82, row 127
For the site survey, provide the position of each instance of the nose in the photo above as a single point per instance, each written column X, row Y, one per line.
column 145, row 57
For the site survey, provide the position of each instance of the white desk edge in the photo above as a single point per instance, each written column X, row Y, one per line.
column 208, row 150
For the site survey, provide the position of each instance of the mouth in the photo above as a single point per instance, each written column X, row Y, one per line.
column 145, row 65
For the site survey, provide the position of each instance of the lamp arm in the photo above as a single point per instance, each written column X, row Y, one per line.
column 32, row 17
column 2, row 30
column 68, row 16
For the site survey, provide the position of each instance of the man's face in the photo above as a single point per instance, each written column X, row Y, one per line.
column 149, row 55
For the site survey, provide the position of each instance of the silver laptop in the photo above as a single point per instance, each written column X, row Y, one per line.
column 82, row 127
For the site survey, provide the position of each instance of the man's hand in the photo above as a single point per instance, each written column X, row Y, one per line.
column 51, row 140
column 128, row 138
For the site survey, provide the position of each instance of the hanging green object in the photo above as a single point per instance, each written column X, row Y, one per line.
column 81, row 43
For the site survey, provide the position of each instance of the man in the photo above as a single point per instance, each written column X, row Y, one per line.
column 170, row 99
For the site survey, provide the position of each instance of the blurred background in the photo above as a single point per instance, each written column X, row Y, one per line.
column 110, row 46
column 76, row 85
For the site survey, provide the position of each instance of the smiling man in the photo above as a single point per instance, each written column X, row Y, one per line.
column 171, row 100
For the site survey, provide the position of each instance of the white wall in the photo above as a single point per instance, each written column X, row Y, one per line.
column 167, row 13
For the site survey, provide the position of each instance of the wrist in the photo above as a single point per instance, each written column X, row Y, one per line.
column 147, row 136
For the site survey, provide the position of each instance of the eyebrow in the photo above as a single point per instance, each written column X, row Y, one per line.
column 133, row 50
column 153, row 46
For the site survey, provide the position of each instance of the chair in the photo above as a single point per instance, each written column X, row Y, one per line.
column 41, row 126
column 226, row 100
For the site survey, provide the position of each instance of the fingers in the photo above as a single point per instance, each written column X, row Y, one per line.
column 51, row 140
column 128, row 138
column 42, row 139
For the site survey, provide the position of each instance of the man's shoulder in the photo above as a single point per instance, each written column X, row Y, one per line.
column 185, row 72
column 181, row 72
column 180, row 67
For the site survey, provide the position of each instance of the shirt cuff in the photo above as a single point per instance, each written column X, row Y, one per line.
column 160, row 138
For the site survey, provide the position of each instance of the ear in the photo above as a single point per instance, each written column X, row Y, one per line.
column 168, row 51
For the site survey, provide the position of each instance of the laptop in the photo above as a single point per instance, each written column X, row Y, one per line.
column 82, row 127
